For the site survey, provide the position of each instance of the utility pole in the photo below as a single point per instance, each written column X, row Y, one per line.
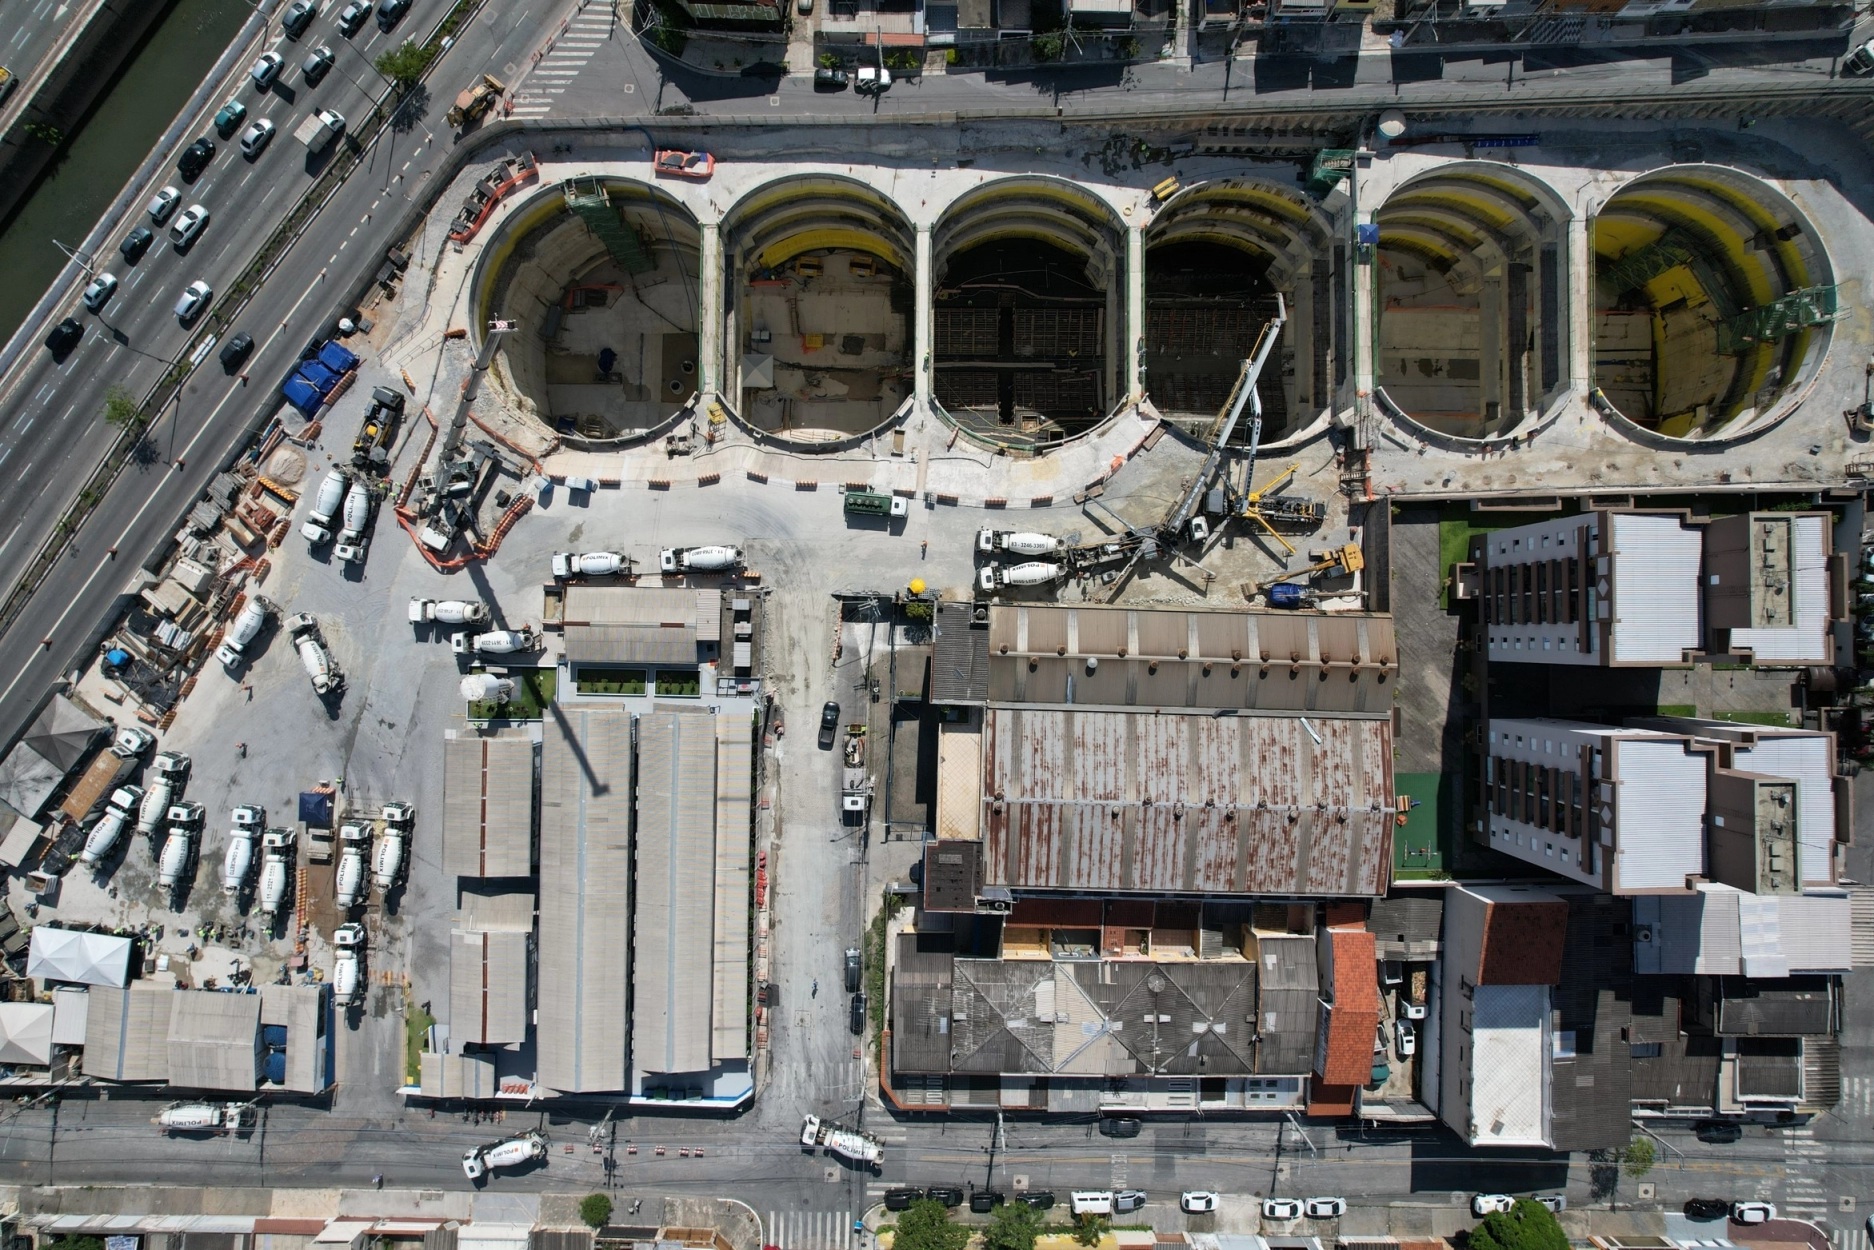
column 77, row 254
column 995, row 1140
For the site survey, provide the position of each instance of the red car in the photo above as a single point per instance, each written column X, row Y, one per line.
column 675, row 164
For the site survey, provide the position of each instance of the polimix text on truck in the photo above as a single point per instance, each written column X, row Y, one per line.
column 849, row 1144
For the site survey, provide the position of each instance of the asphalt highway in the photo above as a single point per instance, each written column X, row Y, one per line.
column 52, row 430
column 34, row 29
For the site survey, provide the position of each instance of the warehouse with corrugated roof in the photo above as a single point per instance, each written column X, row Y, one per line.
column 488, row 806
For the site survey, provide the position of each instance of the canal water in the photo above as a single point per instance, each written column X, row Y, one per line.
column 123, row 126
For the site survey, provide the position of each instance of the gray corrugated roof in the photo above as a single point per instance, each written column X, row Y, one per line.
column 585, row 873
column 735, row 775
column 1287, row 1020
column 1408, row 925
column 682, row 608
column 298, row 1007
column 1769, row 1067
column 214, row 1040
column 127, row 1032
column 960, row 662
column 1591, row 1091
column 630, row 644
column 1793, row 1007
column 920, row 1028
column 672, row 983
column 488, row 986
column 457, row 1076
column 488, row 806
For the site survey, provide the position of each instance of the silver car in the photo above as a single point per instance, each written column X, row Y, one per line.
column 193, row 301
column 188, row 226
column 99, row 293
column 164, row 203
column 256, row 138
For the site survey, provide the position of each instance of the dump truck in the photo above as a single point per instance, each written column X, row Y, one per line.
column 104, row 835
column 313, row 655
column 393, row 845
column 100, row 777
column 1017, row 543
column 511, row 1153
column 280, row 850
column 204, row 1117
column 1033, row 573
column 717, row 559
column 319, row 129
column 849, row 1144
column 474, row 100
column 248, row 623
column 244, row 830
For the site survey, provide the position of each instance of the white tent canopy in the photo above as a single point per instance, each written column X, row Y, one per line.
column 85, row 958
column 26, row 1033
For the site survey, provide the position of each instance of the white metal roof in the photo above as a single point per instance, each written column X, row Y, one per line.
column 734, row 781
column 457, row 1076
column 1659, row 836
column 585, row 872
column 1656, row 600
column 26, row 1033
column 1806, row 759
column 1704, row 933
column 82, row 958
column 1509, row 1065
column 672, row 982
column 127, row 1032
column 70, row 1009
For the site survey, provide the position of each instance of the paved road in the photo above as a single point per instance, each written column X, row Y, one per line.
column 51, row 425
column 35, row 29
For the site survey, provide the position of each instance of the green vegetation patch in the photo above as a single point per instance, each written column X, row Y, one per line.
column 416, row 1027
column 534, row 689
column 592, row 679
column 679, row 681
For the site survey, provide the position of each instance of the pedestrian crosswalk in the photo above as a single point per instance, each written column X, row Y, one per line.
column 810, row 1230
column 1803, row 1195
column 1853, row 1237
column 1857, row 1096
column 566, row 56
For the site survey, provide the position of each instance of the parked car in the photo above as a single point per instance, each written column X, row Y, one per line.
column 1407, row 1038
column 830, row 80
column 194, row 299
column 1718, row 1132
column 164, row 203
column 136, row 243
column 266, row 70
column 229, row 119
column 1120, row 1126
column 299, row 15
column 1197, row 1200
column 64, row 337
column 1408, row 1009
column 857, row 1024
column 1861, row 60
column 983, row 1201
column 258, row 136
column 317, row 65
column 854, row 971
column 1753, row 1212
column 949, row 1195
column 1490, row 1204
column 902, row 1198
column 235, row 350
column 1039, row 1199
column 98, row 293
column 1707, row 1208
column 1554, row 1202
column 1128, row 1200
column 829, row 723
column 1326, row 1208
column 353, row 16
column 1281, row 1209
column 872, row 80
column 195, row 159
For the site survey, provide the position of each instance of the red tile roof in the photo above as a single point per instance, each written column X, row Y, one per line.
column 1523, row 942
column 1354, row 1016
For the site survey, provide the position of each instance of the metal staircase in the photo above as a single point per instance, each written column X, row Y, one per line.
column 587, row 197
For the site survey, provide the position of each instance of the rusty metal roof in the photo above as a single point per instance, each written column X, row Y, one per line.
column 1129, row 657
column 1175, row 802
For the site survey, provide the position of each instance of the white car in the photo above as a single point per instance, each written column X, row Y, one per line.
column 1407, row 1037
column 266, row 69
column 1753, row 1212
column 1281, row 1209
column 188, row 226
column 164, row 203
column 1491, row 1204
column 1326, row 1208
column 1556, row 1203
column 1197, row 1200
column 99, row 293
column 258, row 136
column 193, row 301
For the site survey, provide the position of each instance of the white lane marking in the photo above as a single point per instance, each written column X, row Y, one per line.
column 26, row 425
column 4, row 453
column 45, row 392
column 11, row 537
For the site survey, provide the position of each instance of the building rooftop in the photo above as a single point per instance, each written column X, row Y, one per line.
column 488, row 986
column 1509, row 1065
column 1590, row 1066
column 1407, row 926
column 214, row 1040
column 960, row 663
column 673, row 986
column 488, row 806
column 1171, row 802
column 1704, row 932
column 1351, row 1012
column 1748, row 1007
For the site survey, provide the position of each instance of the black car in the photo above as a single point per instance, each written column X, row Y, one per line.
column 983, row 1201
column 196, row 159
column 64, row 337
column 1039, row 1199
column 235, row 350
column 1718, row 1132
column 299, row 15
column 136, row 243
column 1707, row 1208
column 949, row 1196
column 1120, row 1126
column 391, row 12
column 829, row 80
column 829, row 723
column 901, row 1199
column 858, row 1013
column 853, row 970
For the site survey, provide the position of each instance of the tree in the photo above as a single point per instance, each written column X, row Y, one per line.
column 1526, row 1226
column 1638, row 1157
column 1089, row 1228
column 405, row 63
column 120, row 409
column 595, row 1209
column 927, row 1226
column 1014, row 1226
